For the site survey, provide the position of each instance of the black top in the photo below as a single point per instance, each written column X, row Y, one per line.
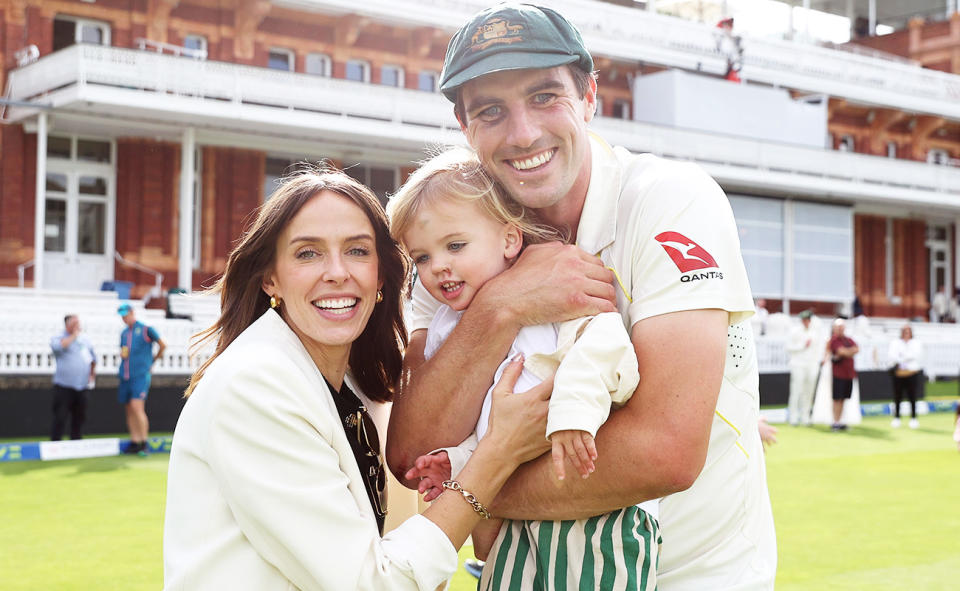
column 362, row 434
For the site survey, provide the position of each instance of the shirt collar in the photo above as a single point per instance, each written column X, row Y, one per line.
column 598, row 220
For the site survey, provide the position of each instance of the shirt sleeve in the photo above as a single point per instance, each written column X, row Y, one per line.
column 55, row 344
column 152, row 333
column 460, row 454
column 423, row 308
column 685, row 246
column 598, row 367
column 270, row 447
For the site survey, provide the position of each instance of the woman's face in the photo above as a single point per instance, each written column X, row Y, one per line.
column 326, row 272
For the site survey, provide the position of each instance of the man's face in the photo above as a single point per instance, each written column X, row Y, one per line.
column 529, row 128
column 73, row 325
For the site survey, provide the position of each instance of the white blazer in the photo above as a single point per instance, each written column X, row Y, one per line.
column 264, row 492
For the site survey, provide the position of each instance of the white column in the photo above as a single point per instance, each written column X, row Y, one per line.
column 852, row 17
column 806, row 20
column 40, row 196
column 873, row 19
column 185, row 263
column 951, row 7
column 651, row 5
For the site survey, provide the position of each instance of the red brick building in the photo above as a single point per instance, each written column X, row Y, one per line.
column 157, row 126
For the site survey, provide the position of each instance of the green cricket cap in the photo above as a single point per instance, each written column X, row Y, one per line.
column 511, row 36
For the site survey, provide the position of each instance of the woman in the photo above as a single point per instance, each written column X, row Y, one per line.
column 276, row 476
column 905, row 355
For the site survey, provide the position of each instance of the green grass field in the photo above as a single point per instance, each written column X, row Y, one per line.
column 874, row 508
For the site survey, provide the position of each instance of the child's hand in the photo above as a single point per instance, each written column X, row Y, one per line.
column 578, row 446
column 432, row 470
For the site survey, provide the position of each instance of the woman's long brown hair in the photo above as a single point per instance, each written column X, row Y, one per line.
column 376, row 355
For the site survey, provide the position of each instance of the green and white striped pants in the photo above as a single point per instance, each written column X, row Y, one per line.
column 614, row 551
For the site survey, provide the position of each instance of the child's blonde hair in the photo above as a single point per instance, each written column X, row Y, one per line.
column 456, row 173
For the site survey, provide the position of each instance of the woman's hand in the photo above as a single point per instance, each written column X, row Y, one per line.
column 518, row 421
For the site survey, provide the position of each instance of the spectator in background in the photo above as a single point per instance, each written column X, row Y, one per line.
column 760, row 317
column 905, row 355
column 953, row 306
column 841, row 350
column 136, row 350
column 76, row 364
column 804, row 362
column 940, row 306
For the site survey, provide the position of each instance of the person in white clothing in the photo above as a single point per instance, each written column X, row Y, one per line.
column 276, row 479
column 804, row 347
column 906, row 357
column 940, row 305
column 521, row 84
column 461, row 232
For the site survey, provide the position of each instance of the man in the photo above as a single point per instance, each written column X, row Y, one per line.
column 522, row 84
column 804, row 362
column 76, row 368
column 841, row 350
column 136, row 351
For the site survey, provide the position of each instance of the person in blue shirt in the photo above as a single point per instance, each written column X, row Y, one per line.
column 76, row 365
column 136, row 351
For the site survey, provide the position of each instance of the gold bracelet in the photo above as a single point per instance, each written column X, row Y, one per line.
column 469, row 497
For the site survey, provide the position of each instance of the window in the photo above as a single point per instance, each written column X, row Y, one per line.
column 358, row 71
column 197, row 206
column 382, row 180
column 280, row 59
column 621, row 109
column 197, row 44
column 846, row 144
column 938, row 156
column 83, row 150
column 891, row 149
column 391, row 76
column 68, row 30
column 760, row 225
column 427, row 81
column 318, row 64
column 794, row 249
column 274, row 169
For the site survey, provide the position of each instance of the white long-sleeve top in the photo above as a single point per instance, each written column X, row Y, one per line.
column 805, row 346
column 906, row 355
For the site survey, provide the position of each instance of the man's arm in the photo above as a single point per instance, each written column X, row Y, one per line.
column 656, row 444
column 439, row 400
column 159, row 350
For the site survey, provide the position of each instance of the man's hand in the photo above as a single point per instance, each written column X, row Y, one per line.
column 768, row 433
column 554, row 282
column 431, row 470
column 579, row 447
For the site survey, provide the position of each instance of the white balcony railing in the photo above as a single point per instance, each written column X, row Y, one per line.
column 182, row 89
column 789, row 167
column 219, row 84
column 635, row 35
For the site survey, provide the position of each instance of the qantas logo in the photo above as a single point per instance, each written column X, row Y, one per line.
column 686, row 254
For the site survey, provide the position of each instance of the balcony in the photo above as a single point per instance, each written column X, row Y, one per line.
column 139, row 91
column 148, row 93
column 636, row 35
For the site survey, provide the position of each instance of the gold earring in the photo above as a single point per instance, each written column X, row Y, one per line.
column 379, row 296
column 274, row 302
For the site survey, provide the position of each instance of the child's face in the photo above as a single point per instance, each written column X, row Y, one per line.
column 457, row 248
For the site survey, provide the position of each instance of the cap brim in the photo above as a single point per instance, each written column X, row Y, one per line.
column 504, row 61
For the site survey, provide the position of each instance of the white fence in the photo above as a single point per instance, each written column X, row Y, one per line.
column 941, row 344
column 29, row 319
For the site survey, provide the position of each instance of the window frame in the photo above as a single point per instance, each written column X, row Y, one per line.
column 326, row 60
column 365, row 66
column 401, row 75
column 291, row 58
column 79, row 22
